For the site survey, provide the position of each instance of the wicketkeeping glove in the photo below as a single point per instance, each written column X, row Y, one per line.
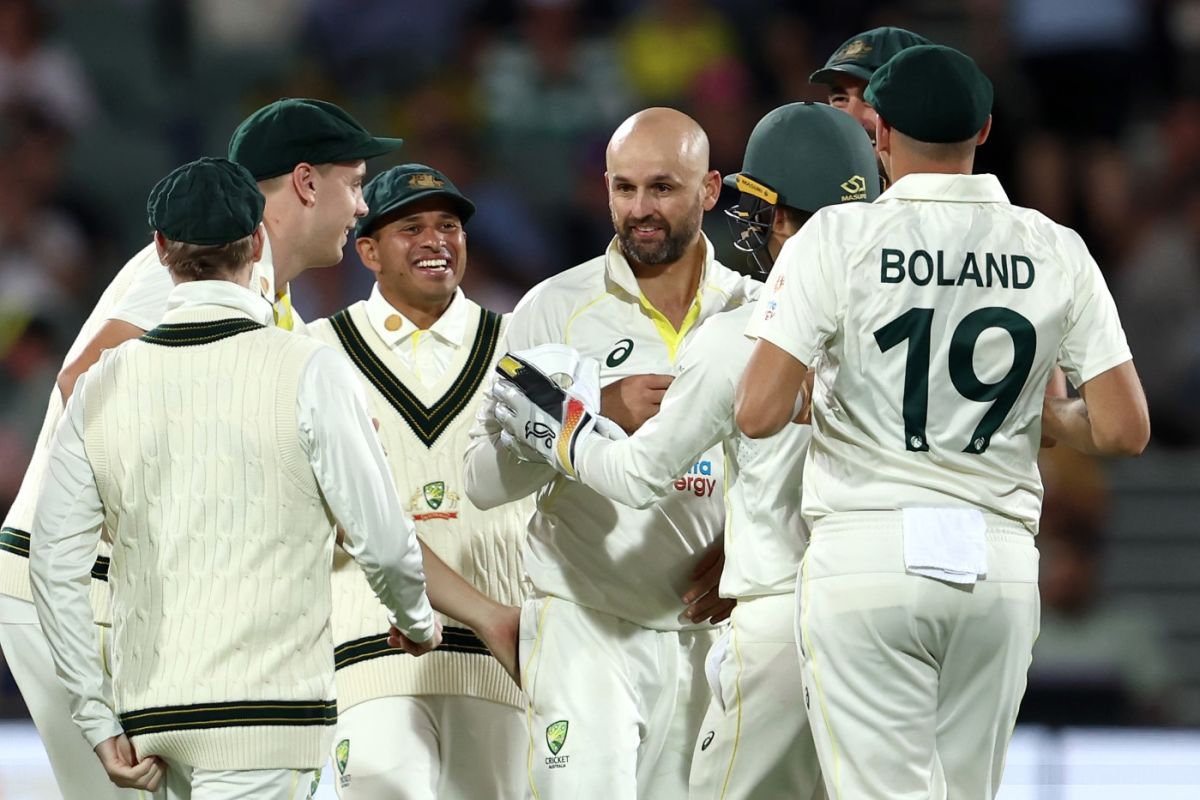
column 539, row 416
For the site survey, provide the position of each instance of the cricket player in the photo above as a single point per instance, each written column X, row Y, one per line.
column 321, row 151
column 451, row 724
column 755, row 741
column 854, row 62
column 937, row 314
column 222, row 531
column 611, row 657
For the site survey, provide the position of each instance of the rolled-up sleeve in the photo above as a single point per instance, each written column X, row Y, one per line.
column 337, row 435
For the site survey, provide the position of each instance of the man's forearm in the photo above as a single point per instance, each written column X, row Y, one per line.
column 451, row 594
column 1065, row 419
column 771, row 392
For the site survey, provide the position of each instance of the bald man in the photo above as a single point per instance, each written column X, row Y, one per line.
column 613, row 642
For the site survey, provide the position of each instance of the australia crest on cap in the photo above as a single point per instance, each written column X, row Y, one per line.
column 853, row 50
column 425, row 180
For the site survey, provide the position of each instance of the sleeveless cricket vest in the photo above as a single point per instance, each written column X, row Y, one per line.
column 424, row 431
column 222, row 544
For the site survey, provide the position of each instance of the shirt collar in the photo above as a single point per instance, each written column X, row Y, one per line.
column 262, row 277
column 450, row 327
column 228, row 296
column 946, row 188
column 617, row 267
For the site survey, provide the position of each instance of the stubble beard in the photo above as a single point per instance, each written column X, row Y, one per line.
column 672, row 247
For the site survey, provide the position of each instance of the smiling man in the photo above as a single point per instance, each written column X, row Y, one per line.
column 611, row 653
column 451, row 727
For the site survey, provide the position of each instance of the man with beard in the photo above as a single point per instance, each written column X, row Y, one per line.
column 613, row 643
column 800, row 157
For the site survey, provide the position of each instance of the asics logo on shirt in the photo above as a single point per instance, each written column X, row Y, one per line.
column 619, row 353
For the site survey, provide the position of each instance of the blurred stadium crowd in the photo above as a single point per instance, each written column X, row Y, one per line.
column 1097, row 124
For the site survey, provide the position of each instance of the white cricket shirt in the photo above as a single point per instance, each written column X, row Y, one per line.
column 940, row 310
column 425, row 353
column 633, row 564
column 764, row 532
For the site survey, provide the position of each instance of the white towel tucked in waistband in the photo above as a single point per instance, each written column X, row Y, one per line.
column 945, row 543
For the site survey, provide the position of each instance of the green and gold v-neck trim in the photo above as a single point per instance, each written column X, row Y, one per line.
column 426, row 422
column 189, row 334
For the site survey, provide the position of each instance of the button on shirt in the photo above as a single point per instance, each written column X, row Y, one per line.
column 346, row 458
column 427, row 354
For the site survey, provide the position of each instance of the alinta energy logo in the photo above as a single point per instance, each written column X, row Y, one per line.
column 855, row 189
column 699, row 480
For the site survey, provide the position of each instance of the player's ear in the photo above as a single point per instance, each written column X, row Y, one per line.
column 160, row 245
column 258, row 238
column 368, row 253
column 985, row 132
column 304, row 183
column 883, row 136
column 712, row 189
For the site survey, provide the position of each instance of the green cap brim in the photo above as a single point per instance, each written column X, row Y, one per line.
column 466, row 209
column 373, row 147
column 825, row 75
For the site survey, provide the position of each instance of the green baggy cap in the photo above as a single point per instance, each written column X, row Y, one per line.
column 277, row 137
column 932, row 93
column 808, row 156
column 861, row 55
column 209, row 201
column 403, row 185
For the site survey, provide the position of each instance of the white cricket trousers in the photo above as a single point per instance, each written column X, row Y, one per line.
column 76, row 768
column 432, row 747
column 904, row 671
column 755, row 743
column 614, row 708
column 186, row 783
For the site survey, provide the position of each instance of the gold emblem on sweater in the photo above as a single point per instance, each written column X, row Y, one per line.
column 428, row 502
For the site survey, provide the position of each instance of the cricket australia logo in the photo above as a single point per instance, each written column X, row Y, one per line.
column 341, row 755
column 535, row 432
column 435, row 493
column 556, row 737
column 433, row 501
column 855, row 189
